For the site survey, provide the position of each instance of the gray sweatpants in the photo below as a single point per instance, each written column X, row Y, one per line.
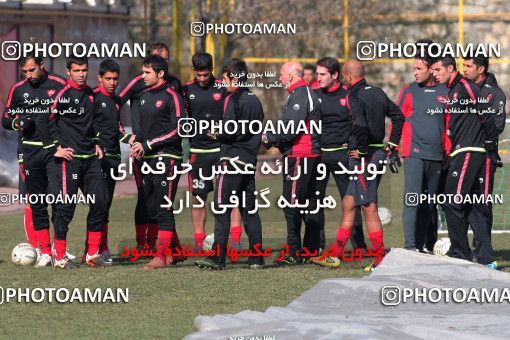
column 420, row 220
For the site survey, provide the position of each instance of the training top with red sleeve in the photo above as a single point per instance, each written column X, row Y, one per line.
column 107, row 121
column 338, row 112
column 423, row 109
column 161, row 108
column 494, row 101
column 377, row 106
column 29, row 104
column 73, row 114
column 302, row 105
column 134, row 89
column 465, row 126
column 204, row 103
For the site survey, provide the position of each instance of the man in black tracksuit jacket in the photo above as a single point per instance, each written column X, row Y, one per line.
column 240, row 105
column 73, row 115
column 28, row 108
column 336, row 106
column 471, row 135
column 159, row 142
column 300, row 150
column 146, row 229
column 476, row 69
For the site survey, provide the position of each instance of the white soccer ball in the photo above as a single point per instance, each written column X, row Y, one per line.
column 442, row 246
column 208, row 242
column 24, row 255
column 384, row 215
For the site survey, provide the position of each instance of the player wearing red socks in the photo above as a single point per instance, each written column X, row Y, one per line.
column 158, row 143
column 368, row 130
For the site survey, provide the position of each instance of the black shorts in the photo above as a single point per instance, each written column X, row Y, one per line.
column 202, row 163
column 363, row 189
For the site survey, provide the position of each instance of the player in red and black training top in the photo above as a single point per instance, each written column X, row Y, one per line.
column 110, row 131
column 369, row 133
column 300, row 150
column 471, row 136
column 78, row 163
column 337, row 109
column 494, row 99
column 146, row 228
column 204, row 102
column 28, row 110
column 158, row 144
column 310, row 76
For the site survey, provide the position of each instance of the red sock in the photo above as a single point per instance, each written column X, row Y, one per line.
column 104, row 240
column 60, row 248
column 141, row 234
column 376, row 239
column 43, row 238
column 341, row 239
column 199, row 239
column 29, row 227
column 152, row 235
column 166, row 238
column 235, row 234
column 94, row 242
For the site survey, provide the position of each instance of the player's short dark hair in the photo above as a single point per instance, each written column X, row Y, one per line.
column 330, row 63
column 309, row 67
column 236, row 66
column 24, row 59
column 159, row 47
column 202, row 61
column 426, row 56
column 447, row 61
column 76, row 60
column 480, row 61
column 108, row 65
column 157, row 63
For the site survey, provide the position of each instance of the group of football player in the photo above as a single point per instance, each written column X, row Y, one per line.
column 70, row 135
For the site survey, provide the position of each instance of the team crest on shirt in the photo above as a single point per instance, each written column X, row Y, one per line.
column 343, row 101
column 103, row 104
column 216, row 96
column 76, row 101
column 51, row 93
column 455, row 174
column 296, row 107
column 192, row 96
column 159, row 103
column 25, row 95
